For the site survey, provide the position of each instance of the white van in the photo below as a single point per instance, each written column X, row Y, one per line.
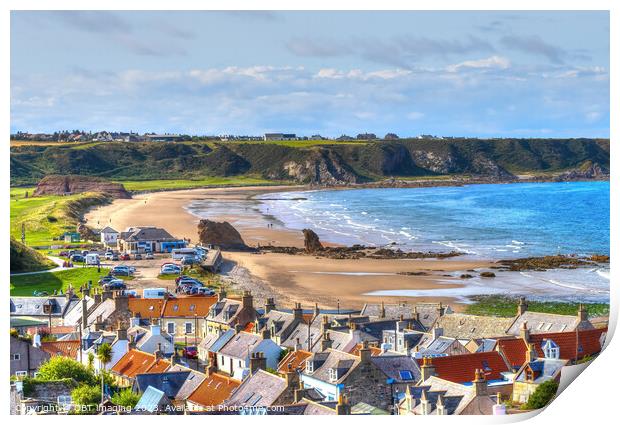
column 92, row 259
column 154, row 293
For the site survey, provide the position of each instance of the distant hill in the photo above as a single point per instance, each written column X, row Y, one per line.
column 335, row 163
column 24, row 259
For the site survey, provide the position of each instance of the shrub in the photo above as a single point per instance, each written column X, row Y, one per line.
column 543, row 395
column 126, row 398
column 86, row 398
column 63, row 367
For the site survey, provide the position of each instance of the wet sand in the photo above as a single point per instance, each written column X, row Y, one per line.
column 290, row 278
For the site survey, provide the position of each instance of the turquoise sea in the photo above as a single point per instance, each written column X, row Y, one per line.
column 487, row 221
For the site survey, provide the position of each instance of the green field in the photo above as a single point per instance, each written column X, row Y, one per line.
column 498, row 305
column 25, row 285
column 143, row 185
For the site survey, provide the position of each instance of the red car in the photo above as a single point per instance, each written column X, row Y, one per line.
column 124, row 257
column 190, row 353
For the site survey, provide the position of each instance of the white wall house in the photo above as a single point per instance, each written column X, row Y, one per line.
column 109, row 236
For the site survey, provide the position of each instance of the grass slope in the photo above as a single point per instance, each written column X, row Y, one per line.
column 499, row 305
column 50, row 282
column 138, row 185
column 47, row 217
column 24, row 259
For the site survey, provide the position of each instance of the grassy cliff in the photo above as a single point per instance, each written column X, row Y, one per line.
column 24, row 259
column 305, row 162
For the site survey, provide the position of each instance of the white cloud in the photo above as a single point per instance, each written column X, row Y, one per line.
column 415, row 115
column 493, row 62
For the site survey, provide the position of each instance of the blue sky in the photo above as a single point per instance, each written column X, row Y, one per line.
column 484, row 74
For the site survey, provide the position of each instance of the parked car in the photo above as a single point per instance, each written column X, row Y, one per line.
column 108, row 255
column 178, row 279
column 188, row 261
column 170, row 269
column 63, row 254
column 40, row 293
column 121, row 271
column 77, row 258
column 125, row 257
column 149, row 256
column 189, row 280
column 205, row 291
column 115, row 285
column 106, row 279
column 137, row 257
column 85, row 252
column 114, row 257
column 190, row 352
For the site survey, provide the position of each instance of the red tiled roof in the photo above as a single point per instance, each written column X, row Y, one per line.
column 213, row 390
column 188, row 306
column 294, row 360
column 56, row 330
column 135, row 362
column 588, row 340
column 147, row 308
column 461, row 368
column 61, row 348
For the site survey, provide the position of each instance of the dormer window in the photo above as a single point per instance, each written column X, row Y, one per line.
column 551, row 350
column 309, row 366
column 333, row 374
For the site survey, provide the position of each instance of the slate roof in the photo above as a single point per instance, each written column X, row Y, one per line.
column 74, row 315
column 239, row 346
column 546, row 323
column 427, row 312
column 213, row 390
column 468, row 326
column 374, row 351
column 454, row 397
column 438, row 345
column 326, row 360
column 301, row 331
column 148, row 341
column 544, row 369
column 188, row 306
column 104, row 310
column 108, row 229
column 137, row 234
column 461, row 368
column 62, row 348
column 225, row 311
column 396, row 367
column 314, row 408
column 294, row 361
column 194, row 379
column 168, row 382
column 278, row 322
column 33, row 306
column 260, row 389
column 222, row 340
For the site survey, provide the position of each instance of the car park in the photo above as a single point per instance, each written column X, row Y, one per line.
column 121, row 271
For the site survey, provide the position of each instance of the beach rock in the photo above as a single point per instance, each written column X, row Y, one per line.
column 63, row 185
column 466, row 276
column 487, row 274
column 311, row 241
column 547, row 262
column 223, row 235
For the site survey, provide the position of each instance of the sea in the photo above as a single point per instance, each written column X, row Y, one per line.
column 486, row 222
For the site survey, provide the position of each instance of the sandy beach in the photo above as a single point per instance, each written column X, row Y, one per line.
column 290, row 278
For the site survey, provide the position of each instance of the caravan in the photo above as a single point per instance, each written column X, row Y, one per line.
column 92, row 259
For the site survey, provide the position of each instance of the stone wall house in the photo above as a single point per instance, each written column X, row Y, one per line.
column 25, row 358
column 228, row 313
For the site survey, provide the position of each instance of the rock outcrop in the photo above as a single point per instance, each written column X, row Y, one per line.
column 323, row 167
column 312, row 243
column 63, row 185
column 86, row 233
column 223, row 235
column 587, row 171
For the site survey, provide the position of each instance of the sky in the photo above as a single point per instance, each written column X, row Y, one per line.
column 475, row 74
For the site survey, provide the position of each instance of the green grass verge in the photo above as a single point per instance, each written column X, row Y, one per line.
column 137, row 185
column 502, row 306
column 167, row 276
column 47, row 217
column 77, row 276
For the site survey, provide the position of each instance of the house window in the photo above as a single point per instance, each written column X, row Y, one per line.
column 333, row 374
column 239, row 363
column 189, row 327
column 21, row 373
column 172, row 328
column 15, row 356
column 309, row 366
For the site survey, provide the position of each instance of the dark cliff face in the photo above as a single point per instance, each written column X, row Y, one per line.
column 326, row 164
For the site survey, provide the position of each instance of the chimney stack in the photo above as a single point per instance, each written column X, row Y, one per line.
column 297, row 344
column 86, row 291
column 382, row 311
column 326, row 342
column 221, row 295
column 441, row 309
column 524, row 332
column 270, row 304
column 132, row 342
column 437, row 332
column 522, row 307
column 343, row 407
column 155, row 327
column 121, row 332
column 97, row 296
column 582, row 314
column 480, row 383
column 121, row 301
column 325, row 325
column 247, row 300
column 106, row 295
column 364, row 353
column 427, row 368
column 257, row 361
column 84, row 313
column 158, row 353
column 292, row 378
column 298, row 312
column 530, row 353
column 317, row 311
column 300, row 392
